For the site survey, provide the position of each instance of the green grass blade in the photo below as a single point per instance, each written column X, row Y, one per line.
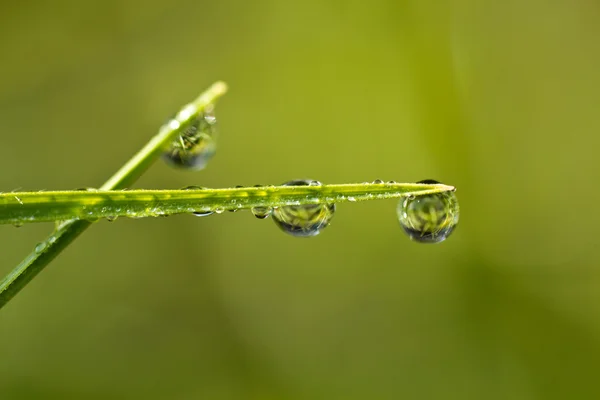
column 47, row 250
column 20, row 208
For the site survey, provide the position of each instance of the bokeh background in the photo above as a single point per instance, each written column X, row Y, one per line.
column 499, row 98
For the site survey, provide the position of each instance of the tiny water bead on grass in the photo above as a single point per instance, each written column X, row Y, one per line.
column 303, row 220
column 430, row 218
column 261, row 212
column 199, row 213
column 196, row 145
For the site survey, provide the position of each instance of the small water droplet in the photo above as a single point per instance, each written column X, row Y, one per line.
column 196, row 145
column 377, row 181
column 202, row 213
column 198, row 213
column 261, row 212
column 351, row 199
column 429, row 218
column 111, row 218
column 40, row 247
column 392, row 182
column 238, row 186
column 18, row 224
column 219, row 211
column 303, row 220
column 193, row 187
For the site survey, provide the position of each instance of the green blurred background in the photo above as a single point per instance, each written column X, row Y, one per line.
column 499, row 98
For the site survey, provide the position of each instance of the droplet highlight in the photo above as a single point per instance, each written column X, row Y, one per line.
column 303, row 220
column 196, row 145
column 429, row 218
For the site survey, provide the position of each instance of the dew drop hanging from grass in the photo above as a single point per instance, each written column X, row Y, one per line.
column 261, row 212
column 429, row 218
column 196, row 145
column 303, row 220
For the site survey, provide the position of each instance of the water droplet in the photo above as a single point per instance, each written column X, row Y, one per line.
column 202, row 213
column 18, row 224
column 196, row 145
column 392, row 182
column 377, row 181
column 429, row 181
column 262, row 212
column 429, row 218
column 111, row 218
column 303, row 220
column 40, row 247
column 198, row 213
column 193, row 187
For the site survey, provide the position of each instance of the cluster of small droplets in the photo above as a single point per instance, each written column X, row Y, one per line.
column 303, row 220
column 196, row 145
column 429, row 218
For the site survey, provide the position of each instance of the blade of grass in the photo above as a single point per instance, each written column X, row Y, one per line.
column 68, row 231
column 20, row 208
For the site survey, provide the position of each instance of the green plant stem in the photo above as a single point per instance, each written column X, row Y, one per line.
column 66, row 232
column 19, row 208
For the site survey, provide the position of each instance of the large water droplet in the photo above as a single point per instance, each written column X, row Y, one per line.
column 303, row 220
column 429, row 218
column 196, row 145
